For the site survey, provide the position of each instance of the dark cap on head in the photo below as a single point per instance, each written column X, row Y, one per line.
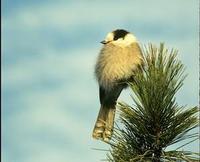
column 119, row 33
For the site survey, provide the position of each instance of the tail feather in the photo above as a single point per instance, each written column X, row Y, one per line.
column 104, row 125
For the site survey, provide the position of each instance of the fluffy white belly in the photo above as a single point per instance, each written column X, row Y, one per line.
column 116, row 63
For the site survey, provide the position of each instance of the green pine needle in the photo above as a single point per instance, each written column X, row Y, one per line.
column 155, row 121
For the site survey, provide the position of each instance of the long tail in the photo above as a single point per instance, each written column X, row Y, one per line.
column 104, row 125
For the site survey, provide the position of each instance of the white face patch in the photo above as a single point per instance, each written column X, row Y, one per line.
column 109, row 37
column 128, row 39
column 122, row 42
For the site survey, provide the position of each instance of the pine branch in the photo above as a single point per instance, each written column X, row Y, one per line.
column 155, row 121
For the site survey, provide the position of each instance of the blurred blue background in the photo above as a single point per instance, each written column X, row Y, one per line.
column 50, row 96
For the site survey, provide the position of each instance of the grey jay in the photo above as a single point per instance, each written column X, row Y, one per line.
column 119, row 57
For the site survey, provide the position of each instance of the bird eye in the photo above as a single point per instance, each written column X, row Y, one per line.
column 115, row 38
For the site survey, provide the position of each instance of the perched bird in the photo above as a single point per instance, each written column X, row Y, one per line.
column 118, row 58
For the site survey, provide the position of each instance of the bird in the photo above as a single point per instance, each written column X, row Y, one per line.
column 119, row 57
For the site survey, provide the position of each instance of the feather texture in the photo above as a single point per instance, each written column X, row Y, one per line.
column 104, row 125
column 117, row 63
column 117, row 60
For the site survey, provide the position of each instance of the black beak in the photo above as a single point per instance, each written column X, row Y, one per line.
column 103, row 42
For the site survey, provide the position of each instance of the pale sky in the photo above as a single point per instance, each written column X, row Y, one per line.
column 50, row 95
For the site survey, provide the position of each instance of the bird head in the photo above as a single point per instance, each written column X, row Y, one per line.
column 119, row 37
